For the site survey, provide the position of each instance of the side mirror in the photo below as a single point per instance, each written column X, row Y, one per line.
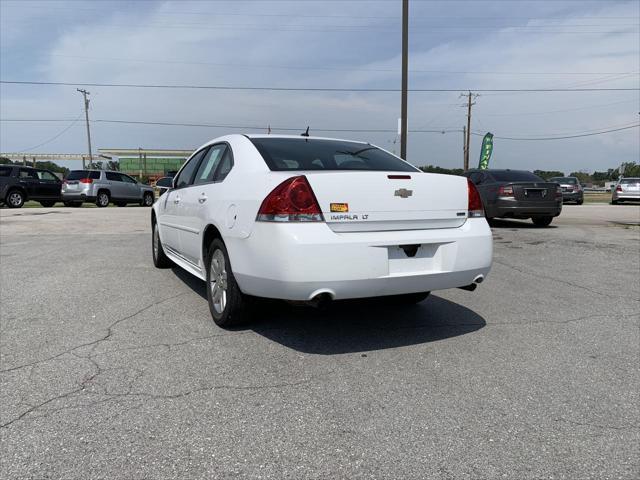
column 165, row 183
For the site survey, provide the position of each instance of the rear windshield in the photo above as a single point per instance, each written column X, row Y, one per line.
column 79, row 174
column 282, row 154
column 627, row 181
column 565, row 180
column 515, row 176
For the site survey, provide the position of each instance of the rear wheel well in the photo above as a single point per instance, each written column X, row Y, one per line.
column 210, row 233
column 20, row 189
column 105, row 190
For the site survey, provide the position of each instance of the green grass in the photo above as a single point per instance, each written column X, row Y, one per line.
column 597, row 197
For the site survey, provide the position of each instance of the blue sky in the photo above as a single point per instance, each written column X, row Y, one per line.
column 342, row 44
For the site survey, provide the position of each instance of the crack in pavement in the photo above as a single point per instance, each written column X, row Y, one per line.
column 596, row 425
column 93, row 343
column 131, row 394
column 98, row 370
column 565, row 282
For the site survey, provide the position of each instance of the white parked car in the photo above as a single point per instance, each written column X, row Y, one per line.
column 314, row 219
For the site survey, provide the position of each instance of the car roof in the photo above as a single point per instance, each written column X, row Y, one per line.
column 300, row 137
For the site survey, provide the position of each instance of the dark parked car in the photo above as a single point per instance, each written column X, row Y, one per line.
column 517, row 194
column 571, row 189
column 19, row 184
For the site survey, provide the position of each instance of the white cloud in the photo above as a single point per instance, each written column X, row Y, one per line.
column 74, row 55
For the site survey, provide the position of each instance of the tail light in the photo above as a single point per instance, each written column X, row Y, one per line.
column 558, row 191
column 475, row 202
column 291, row 201
column 619, row 188
column 86, row 180
column 506, row 191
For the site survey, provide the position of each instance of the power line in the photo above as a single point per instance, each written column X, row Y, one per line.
column 313, row 89
column 298, row 15
column 562, row 137
column 443, row 130
column 52, row 138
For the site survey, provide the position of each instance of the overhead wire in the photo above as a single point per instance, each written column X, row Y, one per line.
column 311, row 89
column 59, row 134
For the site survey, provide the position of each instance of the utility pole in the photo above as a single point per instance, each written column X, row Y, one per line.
column 464, row 144
column 405, row 81
column 86, row 118
column 470, row 96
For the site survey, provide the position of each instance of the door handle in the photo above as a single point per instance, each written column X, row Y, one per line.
column 203, row 198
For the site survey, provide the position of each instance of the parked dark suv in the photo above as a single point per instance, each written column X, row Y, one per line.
column 19, row 184
column 517, row 194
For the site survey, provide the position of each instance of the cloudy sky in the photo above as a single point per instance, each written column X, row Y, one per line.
column 458, row 45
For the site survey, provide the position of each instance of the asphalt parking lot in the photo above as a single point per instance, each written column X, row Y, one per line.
column 111, row 368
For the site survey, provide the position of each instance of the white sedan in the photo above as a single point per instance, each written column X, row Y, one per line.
column 316, row 219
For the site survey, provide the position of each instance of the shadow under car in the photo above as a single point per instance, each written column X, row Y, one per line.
column 350, row 326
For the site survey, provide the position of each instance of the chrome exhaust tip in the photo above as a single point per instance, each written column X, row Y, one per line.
column 321, row 300
column 476, row 281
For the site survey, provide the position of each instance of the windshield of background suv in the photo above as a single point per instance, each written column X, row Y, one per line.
column 515, row 176
column 80, row 174
column 565, row 180
column 632, row 181
column 314, row 154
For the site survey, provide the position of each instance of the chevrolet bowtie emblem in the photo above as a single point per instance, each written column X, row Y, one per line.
column 403, row 193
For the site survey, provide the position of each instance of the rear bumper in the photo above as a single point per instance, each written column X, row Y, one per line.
column 572, row 196
column 512, row 208
column 77, row 197
column 625, row 196
column 300, row 261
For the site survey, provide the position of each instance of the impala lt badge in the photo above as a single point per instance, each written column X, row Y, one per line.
column 403, row 193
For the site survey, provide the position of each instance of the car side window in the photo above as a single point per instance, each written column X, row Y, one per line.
column 185, row 176
column 5, row 171
column 225, row 166
column 127, row 178
column 30, row 174
column 46, row 176
column 114, row 177
column 209, row 164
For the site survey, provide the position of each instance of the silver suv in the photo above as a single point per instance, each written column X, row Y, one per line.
column 102, row 187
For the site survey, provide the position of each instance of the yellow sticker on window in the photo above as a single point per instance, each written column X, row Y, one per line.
column 339, row 207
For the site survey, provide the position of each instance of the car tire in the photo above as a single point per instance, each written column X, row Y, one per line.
column 102, row 200
column 229, row 307
column 48, row 204
column 14, row 199
column 121, row 204
column 409, row 298
column 542, row 221
column 580, row 202
column 614, row 202
column 147, row 200
column 160, row 259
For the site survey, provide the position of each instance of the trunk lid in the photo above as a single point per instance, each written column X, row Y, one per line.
column 534, row 192
column 365, row 201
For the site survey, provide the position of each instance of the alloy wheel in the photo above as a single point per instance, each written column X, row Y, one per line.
column 218, row 281
column 15, row 199
column 155, row 241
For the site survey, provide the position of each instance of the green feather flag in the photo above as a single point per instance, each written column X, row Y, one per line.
column 487, row 150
